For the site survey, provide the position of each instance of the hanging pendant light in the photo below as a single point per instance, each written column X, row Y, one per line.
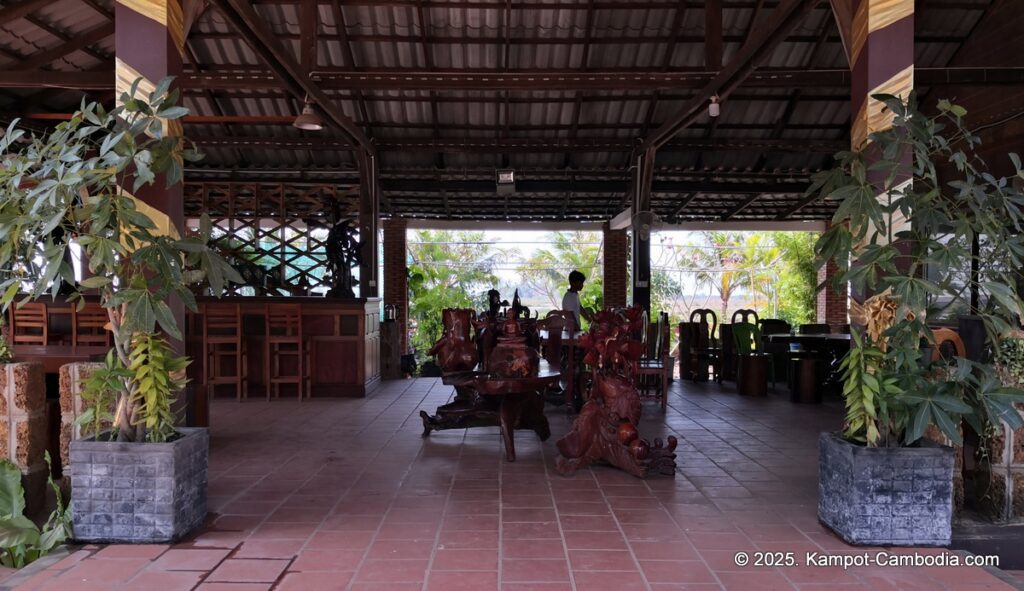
column 308, row 119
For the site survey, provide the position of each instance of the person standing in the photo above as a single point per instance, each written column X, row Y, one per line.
column 571, row 299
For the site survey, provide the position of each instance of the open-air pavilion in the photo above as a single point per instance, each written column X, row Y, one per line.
column 618, row 117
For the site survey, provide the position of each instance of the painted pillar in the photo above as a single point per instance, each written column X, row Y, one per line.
column 642, row 225
column 369, row 223
column 149, row 44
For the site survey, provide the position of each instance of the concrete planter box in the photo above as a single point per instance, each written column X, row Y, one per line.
column 139, row 492
column 885, row 496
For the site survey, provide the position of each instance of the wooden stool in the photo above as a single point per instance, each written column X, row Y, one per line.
column 284, row 342
column 30, row 325
column 222, row 339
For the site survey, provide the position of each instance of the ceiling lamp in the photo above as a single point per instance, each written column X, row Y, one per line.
column 714, row 108
column 308, row 119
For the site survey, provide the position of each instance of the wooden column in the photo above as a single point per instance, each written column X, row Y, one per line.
column 369, row 222
column 149, row 43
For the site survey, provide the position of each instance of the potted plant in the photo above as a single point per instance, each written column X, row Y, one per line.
column 909, row 206
column 70, row 189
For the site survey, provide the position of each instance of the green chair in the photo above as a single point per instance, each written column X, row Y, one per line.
column 747, row 340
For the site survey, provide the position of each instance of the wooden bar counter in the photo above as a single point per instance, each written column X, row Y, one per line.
column 343, row 336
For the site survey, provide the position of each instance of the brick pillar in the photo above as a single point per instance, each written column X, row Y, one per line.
column 616, row 260
column 23, row 427
column 396, row 276
column 832, row 307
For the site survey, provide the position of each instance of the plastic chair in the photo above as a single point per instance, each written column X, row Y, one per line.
column 747, row 340
column 745, row 316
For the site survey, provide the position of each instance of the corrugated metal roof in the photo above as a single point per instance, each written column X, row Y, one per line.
column 393, row 37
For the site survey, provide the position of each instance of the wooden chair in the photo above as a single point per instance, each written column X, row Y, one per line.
column 752, row 360
column 705, row 349
column 89, row 327
column 814, row 329
column 284, row 343
column 30, row 324
column 223, row 341
column 656, row 361
column 773, row 326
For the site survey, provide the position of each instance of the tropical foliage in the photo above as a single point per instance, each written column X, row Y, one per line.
column 21, row 540
column 547, row 270
column 447, row 270
column 74, row 185
column 917, row 202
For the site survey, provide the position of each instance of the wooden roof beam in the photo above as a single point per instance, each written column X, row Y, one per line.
column 22, row 9
column 75, row 43
column 263, row 41
column 523, row 81
column 757, row 48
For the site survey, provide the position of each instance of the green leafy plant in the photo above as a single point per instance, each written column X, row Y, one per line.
column 74, row 185
column 156, row 374
column 6, row 354
column 21, row 541
column 99, row 393
column 909, row 208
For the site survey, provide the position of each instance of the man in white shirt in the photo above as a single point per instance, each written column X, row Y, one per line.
column 571, row 299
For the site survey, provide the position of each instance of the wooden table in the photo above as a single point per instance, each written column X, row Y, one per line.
column 52, row 357
column 509, row 403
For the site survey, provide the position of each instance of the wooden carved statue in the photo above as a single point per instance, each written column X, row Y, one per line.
column 343, row 255
column 455, row 350
column 606, row 428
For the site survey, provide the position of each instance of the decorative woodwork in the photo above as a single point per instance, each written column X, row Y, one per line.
column 504, row 390
column 605, row 430
column 278, row 236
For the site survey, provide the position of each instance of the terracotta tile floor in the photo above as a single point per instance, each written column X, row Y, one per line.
column 347, row 495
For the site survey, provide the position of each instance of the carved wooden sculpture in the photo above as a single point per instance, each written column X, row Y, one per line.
column 505, row 392
column 605, row 430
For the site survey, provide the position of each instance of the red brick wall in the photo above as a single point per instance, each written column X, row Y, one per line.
column 396, row 275
column 616, row 251
column 832, row 306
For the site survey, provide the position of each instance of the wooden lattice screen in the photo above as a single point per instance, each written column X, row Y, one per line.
column 279, row 231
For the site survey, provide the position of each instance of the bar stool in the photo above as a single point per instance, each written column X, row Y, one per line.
column 89, row 327
column 222, row 340
column 30, row 325
column 284, row 342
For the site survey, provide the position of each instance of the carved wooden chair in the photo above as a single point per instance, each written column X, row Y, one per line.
column 30, row 324
column 224, row 346
column 656, row 361
column 706, row 349
column 284, row 347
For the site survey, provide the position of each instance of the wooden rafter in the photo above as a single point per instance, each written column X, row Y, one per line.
column 262, row 80
column 350, row 57
column 242, row 15
column 75, row 43
column 764, row 39
column 22, row 9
